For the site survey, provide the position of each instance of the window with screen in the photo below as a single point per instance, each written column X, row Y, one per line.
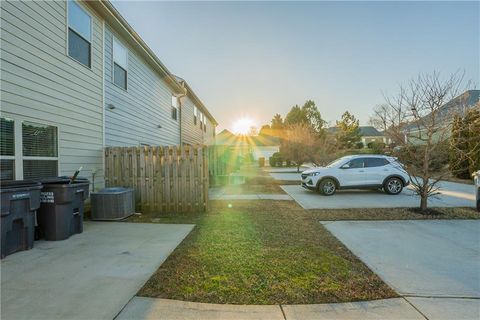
column 195, row 114
column 79, row 34
column 120, row 61
column 40, row 150
column 7, row 137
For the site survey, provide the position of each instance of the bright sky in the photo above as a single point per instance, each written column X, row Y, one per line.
column 254, row 59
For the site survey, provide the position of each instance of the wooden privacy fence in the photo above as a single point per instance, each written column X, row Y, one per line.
column 165, row 179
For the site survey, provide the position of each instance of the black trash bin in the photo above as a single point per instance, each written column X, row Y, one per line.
column 20, row 200
column 62, row 206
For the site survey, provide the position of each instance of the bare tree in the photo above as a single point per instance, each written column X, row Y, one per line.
column 298, row 144
column 380, row 117
column 421, row 128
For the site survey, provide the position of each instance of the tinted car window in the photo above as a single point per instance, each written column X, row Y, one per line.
column 356, row 163
column 376, row 162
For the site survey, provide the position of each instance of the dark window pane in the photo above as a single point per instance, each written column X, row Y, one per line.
column 7, row 169
column 7, row 137
column 38, row 169
column 119, row 76
column 174, row 113
column 39, row 140
column 78, row 48
column 376, row 162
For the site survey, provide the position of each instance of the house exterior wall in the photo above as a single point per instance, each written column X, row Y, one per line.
column 264, row 151
column 40, row 83
column 367, row 139
column 191, row 132
column 209, row 135
column 142, row 108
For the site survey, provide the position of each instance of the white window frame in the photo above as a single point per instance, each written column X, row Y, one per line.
column 18, row 145
column 14, row 149
column 67, row 26
column 195, row 115
column 115, row 39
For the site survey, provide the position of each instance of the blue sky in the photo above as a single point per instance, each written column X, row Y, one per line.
column 255, row 59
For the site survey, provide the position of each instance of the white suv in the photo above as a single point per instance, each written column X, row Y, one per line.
column 357, row 172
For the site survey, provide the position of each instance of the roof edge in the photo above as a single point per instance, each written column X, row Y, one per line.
column 106, row 7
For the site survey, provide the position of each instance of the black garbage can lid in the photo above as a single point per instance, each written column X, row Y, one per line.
column 55, row 180
column 10, row 184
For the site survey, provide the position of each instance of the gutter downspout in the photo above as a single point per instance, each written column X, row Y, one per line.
column 181, row 111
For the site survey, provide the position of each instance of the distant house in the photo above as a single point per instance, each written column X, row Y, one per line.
column 457, row 106
column 258, row 146
column 368, row 135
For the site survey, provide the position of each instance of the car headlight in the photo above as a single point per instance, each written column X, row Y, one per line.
column 313, row 174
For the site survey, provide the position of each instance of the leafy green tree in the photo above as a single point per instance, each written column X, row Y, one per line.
column 307, row 115
column 277, row 122
column 314, row 118
column 348, row 131
column 295, row 116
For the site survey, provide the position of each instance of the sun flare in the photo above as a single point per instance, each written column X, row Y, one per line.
column 242, row 126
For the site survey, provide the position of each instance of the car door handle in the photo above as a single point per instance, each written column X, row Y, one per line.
column 361, row 170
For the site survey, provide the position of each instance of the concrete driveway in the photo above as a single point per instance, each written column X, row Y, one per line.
column 91, row 275
column 452, row 195
column 434, row 264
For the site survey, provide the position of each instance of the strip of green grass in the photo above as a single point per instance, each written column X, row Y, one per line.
column 261, row 252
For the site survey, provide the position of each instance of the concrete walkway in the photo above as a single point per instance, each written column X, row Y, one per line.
column 91, row 275
column 264, row 196
column 451, row 195
column 148, row 308
column 435, row 264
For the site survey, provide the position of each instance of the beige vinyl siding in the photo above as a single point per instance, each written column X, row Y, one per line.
column 191, row 133
column 209, row 136
column 42, row 84
column 141, row 108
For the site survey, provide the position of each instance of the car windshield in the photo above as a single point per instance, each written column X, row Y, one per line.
column 335, row 162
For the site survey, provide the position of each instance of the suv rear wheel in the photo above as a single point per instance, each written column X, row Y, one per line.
column 393, row 185
column 327, row 187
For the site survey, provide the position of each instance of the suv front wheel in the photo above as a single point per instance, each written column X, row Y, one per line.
column 327, row 187
column 393, row 185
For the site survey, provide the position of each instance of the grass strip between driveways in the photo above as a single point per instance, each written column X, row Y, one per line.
column 260, row 252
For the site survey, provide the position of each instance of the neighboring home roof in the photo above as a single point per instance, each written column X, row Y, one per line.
column 121, row 26
column 365, row 131
column 369, row 131
column 457, row 106
column 460, row 104
column 227, row 138
column 198, row 103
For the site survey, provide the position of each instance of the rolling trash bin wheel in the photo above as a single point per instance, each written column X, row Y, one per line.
column 62, row 207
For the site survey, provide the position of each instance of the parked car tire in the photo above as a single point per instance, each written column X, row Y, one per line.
column 327, row 187
column 393, row 186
